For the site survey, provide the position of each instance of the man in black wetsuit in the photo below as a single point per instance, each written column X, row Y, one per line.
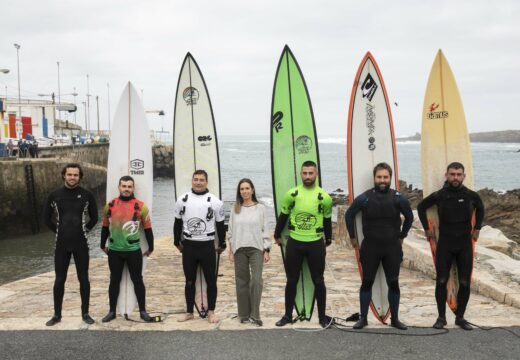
column 456, row 205
column 381, row 209
column 65, row 213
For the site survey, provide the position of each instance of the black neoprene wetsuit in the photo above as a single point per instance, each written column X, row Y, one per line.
column 381, row 214
column 456, row 206
column 70, row 213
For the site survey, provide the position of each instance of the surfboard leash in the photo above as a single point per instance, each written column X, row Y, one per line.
column 153, row 319
column 339, row 324
column 495, row 328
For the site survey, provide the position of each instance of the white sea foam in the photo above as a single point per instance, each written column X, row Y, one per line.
column 330, row 140
column 267, row 201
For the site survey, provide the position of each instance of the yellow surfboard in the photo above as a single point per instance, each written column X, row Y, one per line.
column 444, row 139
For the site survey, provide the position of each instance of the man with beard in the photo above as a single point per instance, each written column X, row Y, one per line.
column 122, row 220
column 310, row 202
column 381, row 209
column 65, row 213
column 456, row 205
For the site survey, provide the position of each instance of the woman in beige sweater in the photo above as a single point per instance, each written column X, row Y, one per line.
column 250, row 243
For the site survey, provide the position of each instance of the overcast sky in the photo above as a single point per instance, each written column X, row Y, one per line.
column 237, row 45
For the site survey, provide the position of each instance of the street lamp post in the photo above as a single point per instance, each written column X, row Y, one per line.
column 85, row 108
column 59, row 91
column 108, row 93
column 17, row 46
column 5, row 71
column 75, row 94
column 88, row 105
column 97, row 107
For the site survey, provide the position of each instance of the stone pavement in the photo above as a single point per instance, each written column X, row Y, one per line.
column 27, row 304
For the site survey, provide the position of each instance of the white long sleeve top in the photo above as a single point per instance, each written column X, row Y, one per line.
column 249, row 228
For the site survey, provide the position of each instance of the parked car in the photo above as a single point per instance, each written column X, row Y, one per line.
column 45, row 141
column 62, row 139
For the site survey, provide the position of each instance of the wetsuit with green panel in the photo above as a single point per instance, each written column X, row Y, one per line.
column 309, row 211
column 123, row 218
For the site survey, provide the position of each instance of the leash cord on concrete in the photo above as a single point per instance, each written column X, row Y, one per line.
column 166, row 315
column 342, row 327
column 495, row 328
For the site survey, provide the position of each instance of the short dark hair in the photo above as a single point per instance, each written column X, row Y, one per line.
column 73, row 166
column 382, row 166
column 126, row 178
column 309, row 163
column 455, row 165
column 200, row 172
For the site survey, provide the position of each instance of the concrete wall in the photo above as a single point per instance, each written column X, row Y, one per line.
column 91, row 153
column 16, row 211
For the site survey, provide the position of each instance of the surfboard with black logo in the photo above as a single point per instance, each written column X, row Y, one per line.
column 130, row 153
column 444, row 139
column 293, row 141
column 195, row 147
column 370, row 140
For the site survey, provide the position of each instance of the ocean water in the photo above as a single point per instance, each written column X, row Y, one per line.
column 496, row 165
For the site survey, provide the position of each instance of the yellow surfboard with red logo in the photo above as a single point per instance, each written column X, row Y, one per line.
column 444, row 139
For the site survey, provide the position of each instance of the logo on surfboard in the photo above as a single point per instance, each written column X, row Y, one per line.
column 303, row 144
column 371, row 143
column 136, row 167
column 190, row 95
column 205, row 140
column 369, row 87
column 432, row 114
column 276, row 121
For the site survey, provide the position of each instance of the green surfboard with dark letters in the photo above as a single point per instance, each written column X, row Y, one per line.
column 293, row 141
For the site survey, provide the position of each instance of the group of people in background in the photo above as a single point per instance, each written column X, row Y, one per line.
column 199, row 234
column 24, row 148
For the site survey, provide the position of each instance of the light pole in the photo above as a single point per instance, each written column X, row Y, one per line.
column 85, row 108
column 97, row 106
column 88, row 104
column 75, row 94
column 17, row 46
column 59, row 91
column 5, row 71
column 108, row 93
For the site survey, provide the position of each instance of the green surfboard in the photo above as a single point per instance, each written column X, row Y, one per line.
column 293, row 141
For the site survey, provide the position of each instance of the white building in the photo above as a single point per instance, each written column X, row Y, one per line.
column 37, row 117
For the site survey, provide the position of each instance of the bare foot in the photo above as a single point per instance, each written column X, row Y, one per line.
column 186, row 317
column 212, row 317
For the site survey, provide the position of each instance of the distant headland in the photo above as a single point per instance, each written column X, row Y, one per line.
column 506, row 136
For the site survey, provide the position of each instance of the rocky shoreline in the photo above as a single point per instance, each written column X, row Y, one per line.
column 502, row 209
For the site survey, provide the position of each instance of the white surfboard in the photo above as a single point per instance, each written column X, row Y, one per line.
column 130, row 153
column 370, row 140
column 195, row 147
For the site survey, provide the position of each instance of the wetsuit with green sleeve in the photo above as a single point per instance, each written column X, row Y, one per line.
column 309, row 211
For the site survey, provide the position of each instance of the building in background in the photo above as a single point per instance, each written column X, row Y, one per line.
column 38, row 118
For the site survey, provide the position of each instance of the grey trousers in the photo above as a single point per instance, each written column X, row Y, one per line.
column 249, row 263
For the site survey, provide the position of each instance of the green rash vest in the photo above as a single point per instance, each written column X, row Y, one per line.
column 307, row 208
